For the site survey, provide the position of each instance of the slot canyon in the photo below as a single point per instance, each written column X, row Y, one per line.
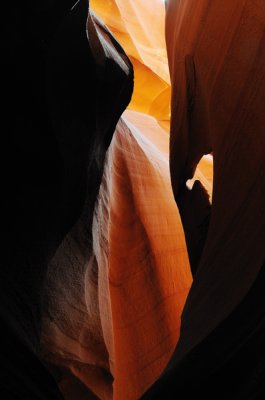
column 133, row 180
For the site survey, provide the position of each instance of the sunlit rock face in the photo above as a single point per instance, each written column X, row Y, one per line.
column 68, row 81
column 114, row 311
column 139, row 26
column 96, row 266
column 148, row 270
column 114, row 296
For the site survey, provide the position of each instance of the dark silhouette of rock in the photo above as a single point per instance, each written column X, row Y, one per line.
column 62, row 95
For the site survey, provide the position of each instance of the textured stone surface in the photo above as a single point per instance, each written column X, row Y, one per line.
column 113, row 307
column 63, row 95
column 94, row 256
column 216, row 59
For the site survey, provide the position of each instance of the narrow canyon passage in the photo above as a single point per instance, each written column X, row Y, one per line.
column 134, row 192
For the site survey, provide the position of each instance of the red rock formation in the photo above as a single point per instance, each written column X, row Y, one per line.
column 139, row 26
column 133, row 274
column 94, row 245
column 104, row 305
column 216, row 57
column 63, row 96
column 217, row 105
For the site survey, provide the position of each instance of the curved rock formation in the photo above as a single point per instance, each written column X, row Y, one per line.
column 139, row 26
column 63, row 97
column 101, row 330
column 95, row 264
column 104, row 304
column 216, row 58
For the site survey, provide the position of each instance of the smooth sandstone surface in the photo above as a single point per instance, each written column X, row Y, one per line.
column 139, row 26
column 113, row 313
column 106, row 295
column 217, row 68
column 216, row 59
column 95, row 259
